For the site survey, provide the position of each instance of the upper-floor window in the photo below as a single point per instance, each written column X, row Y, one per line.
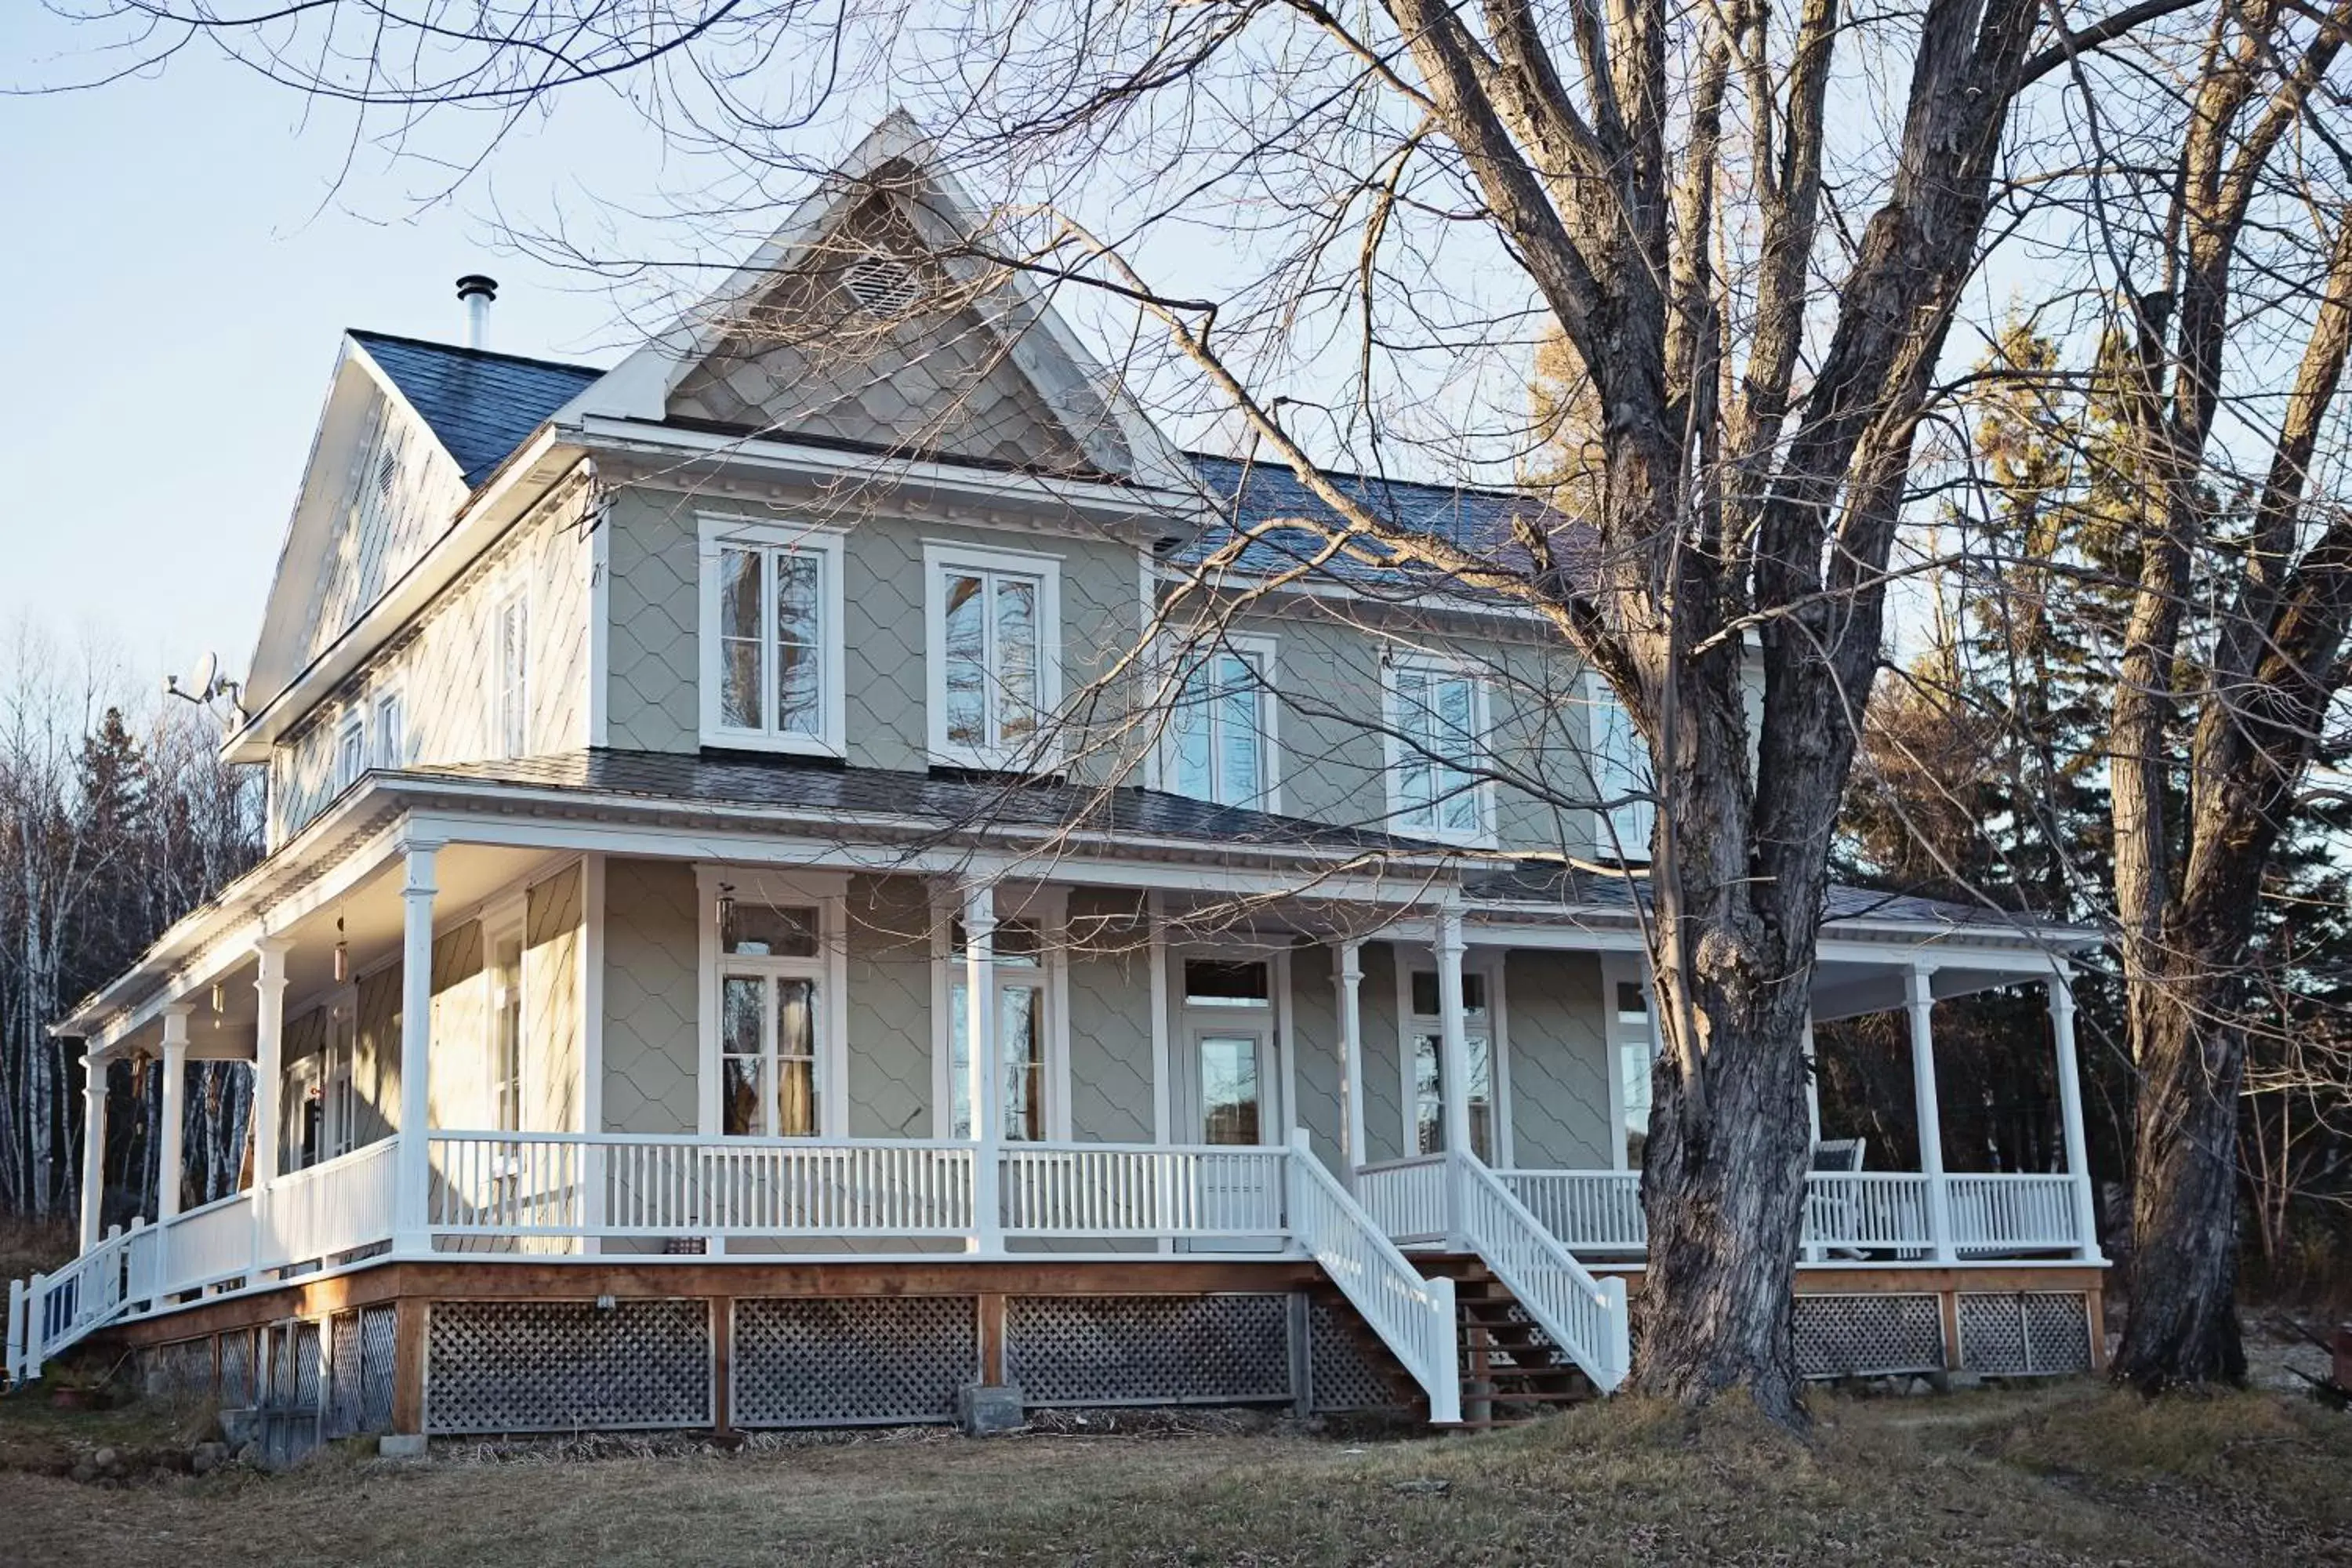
column 391, row 742
column 1221, row 738
column 772, row 637
column 510, row 649
column 350, row 750
column 995, row 639
column 1437, row 729
column 1620, row 778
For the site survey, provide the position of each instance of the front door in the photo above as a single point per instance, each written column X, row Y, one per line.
column 1230, row 1075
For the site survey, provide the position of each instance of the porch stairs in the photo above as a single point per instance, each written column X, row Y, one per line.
column 1510, row 1371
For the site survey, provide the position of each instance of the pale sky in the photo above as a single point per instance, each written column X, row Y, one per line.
column 177, row 269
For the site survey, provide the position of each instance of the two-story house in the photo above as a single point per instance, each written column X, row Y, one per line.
column 827, row 873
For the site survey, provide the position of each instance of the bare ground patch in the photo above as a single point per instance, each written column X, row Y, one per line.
column 2069, row 1475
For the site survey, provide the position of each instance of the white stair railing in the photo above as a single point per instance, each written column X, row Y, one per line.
column 1584, row 1316
column 52, row 1312
column 1413, row 1316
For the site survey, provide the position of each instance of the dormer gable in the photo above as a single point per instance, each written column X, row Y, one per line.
column 869, row 321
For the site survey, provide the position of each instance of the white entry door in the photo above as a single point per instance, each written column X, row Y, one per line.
column 1229, row 1073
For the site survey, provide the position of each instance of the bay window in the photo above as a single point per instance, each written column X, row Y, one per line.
column 771, row 641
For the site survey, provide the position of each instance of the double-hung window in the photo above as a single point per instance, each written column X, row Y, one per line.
column 1220, row 736
column 995, row 639
column 510, row 676
column 391, row 743
column 771, row 1019
column 1427, row 1089
column 1437, row 728
column 504, row 941
column 1018, row 954
column 772, row 637
column 1621, row 777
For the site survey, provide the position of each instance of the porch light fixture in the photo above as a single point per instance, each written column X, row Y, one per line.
column 342, row 953
column 220, row 998
column 726, row 910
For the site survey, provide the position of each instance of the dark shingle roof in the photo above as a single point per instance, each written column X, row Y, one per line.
column 1532, row 882
column 947, row 802
column 1482, row 522
column 481, row 406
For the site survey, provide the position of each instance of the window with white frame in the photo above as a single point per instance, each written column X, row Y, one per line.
column 1017, row 950
column 1220, row 736
column 994, row 661
column 391, row 742
column 1437, row 723
column 772, row 637
column 773, row 1018
column 1425, row 1030
column 325, row 1098
column 503, row 937
column 350, row 750
column 1621, row 777
column 510, row 666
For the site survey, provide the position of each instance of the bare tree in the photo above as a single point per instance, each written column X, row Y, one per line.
column 1402, row 197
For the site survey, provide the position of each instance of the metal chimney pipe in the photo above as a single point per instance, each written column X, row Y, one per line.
column 478, row 291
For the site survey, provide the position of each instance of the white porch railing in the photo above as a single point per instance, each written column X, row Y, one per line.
column 1846, row 1211
column 50, row 1312
column 1410, row 1198
column 2013, row 1213
column 1140, row 1189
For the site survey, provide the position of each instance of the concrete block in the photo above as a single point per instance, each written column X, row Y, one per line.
column 401, row 1445
column 986, row 1409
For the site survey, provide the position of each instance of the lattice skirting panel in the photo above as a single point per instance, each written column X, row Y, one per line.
column 841, row 1362
column 1867, row 1336
column 1150, row 1349
column 181, row 1371
column 359, row 1372
column 2036, row 1334
column 1342, row 1374
column 239, row 1385
column 562, row 1366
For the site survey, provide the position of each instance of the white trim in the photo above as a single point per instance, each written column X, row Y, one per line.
column 599, row 614
column 777, row 889
column 1259, row 649
column 1043, row 752
column 591, row 992
column 507, row 915
column 714, row 532
column 1285, row 1038
column 1162, row 1114
column 1395, row 758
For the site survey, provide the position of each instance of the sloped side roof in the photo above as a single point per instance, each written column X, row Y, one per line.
column 480, row 406
column 1542, row 884
column 686, row 778
column 1250, row 495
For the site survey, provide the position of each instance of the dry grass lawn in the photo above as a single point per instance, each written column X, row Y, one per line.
column 2073, row 1474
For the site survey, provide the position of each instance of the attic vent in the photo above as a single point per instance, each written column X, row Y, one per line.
column 387, row 472
column 882, row 285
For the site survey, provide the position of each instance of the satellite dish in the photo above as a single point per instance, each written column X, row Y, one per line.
column 207, row 670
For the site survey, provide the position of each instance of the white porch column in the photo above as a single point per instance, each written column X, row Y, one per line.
column 268, row 1055
column 1454, row 1047
column 413, row 1162
column 171, row 1154
column 1352, row 1059
column 1931, row 1125
column 93, row 1153
column 985, row 1090
column 2070, row 1111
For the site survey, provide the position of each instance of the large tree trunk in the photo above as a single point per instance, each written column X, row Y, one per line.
column 2184, row 1319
